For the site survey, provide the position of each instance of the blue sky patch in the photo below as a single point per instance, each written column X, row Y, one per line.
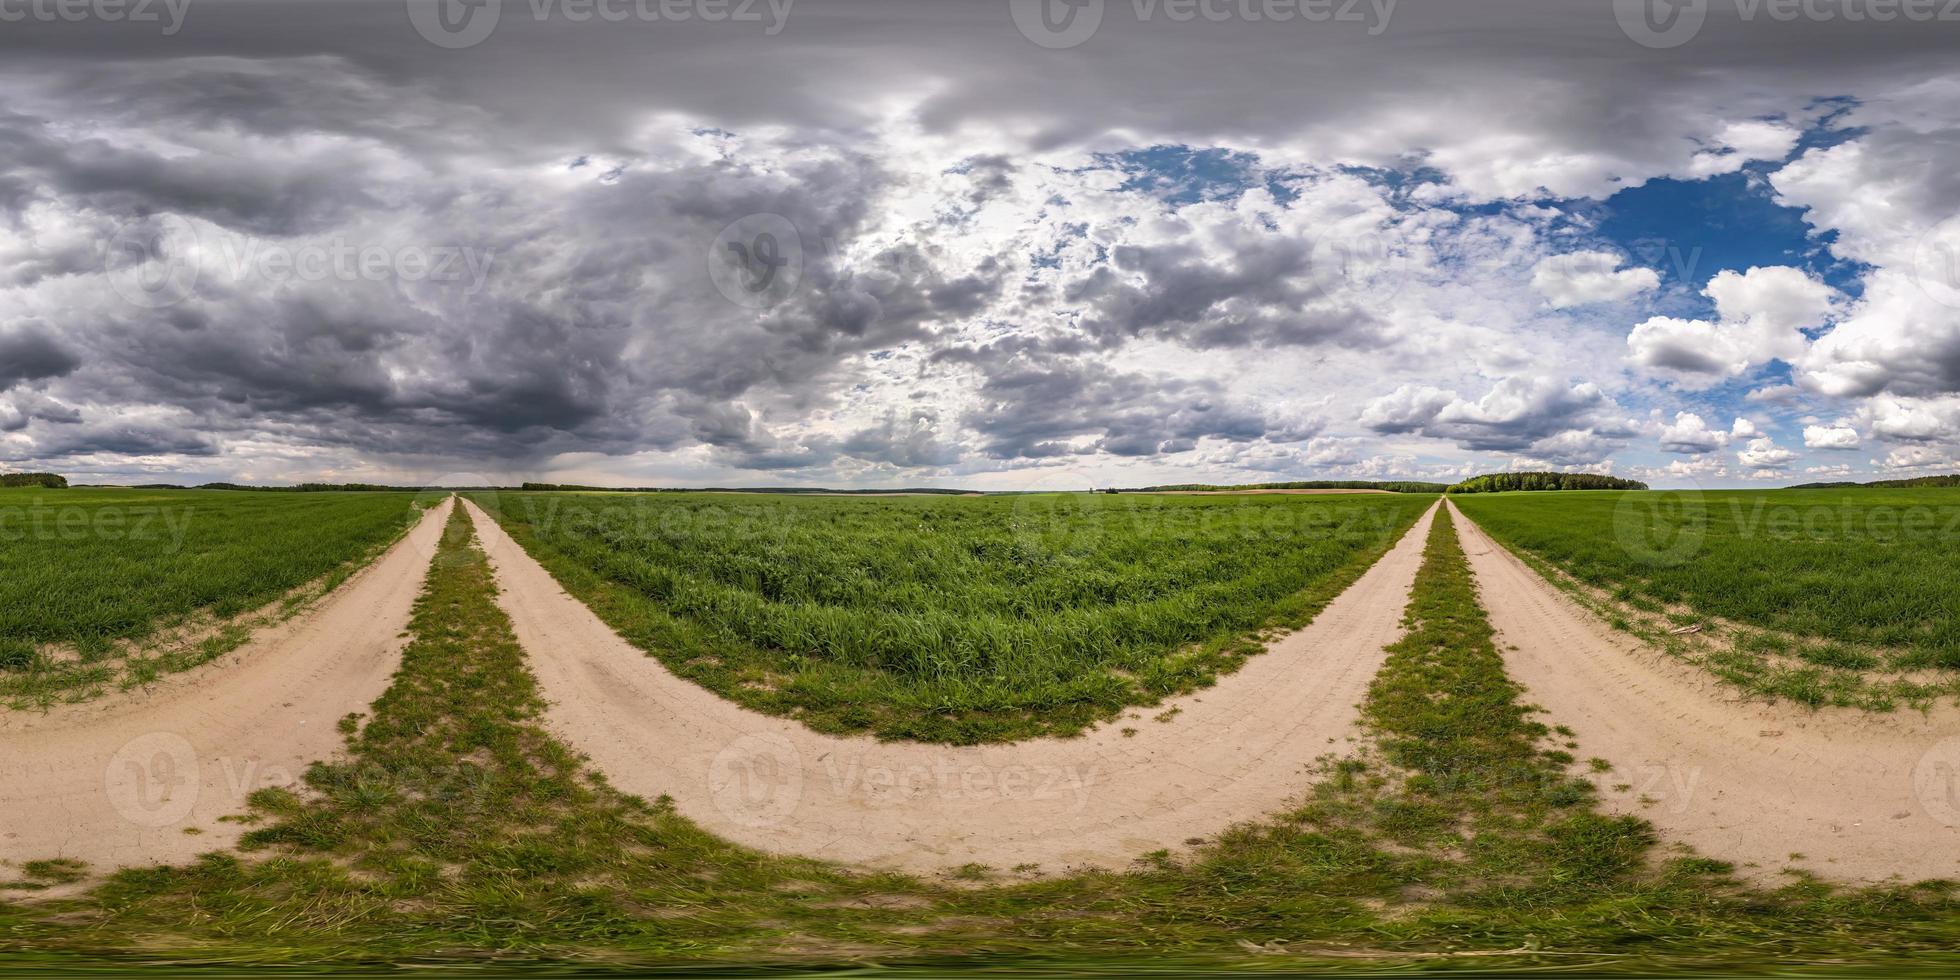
column 1180, row 175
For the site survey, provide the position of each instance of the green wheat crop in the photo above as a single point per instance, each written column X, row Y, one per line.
column 83, row 568
column 956, row 619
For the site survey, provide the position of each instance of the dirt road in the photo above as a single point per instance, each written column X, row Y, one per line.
column 1863, row 797
column 142, row 777
column 1235, row 752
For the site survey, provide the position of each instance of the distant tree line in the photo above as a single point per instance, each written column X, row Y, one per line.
column 296, row 488
column 51, row 481
column 1949, row 480
column 1393, row 486
column 1499, row 482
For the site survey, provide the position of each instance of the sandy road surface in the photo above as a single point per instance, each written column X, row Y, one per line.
column 1864, row 797
column 117, row 781
column 1235, row 752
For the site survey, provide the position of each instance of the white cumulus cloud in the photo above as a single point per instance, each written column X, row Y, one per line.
column 1838, row 436
column 1689, row 435
column 1580, row 278
column 1762, row 453
column 1761, row 314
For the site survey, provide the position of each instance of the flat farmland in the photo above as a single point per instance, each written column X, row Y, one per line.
column 1845, row 596
column 952, row 619
column 82, row 570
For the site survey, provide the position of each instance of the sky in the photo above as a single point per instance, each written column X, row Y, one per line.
column 993, row 244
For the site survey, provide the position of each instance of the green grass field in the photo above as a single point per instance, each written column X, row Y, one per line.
column 1852, row 588
column 457, row 833
column 82, row 569
column 961, row 619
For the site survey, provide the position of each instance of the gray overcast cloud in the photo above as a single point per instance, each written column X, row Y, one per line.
column 878, row 243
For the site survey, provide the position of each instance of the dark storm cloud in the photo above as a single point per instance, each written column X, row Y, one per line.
column 1035, row 409
column 906, row 441
column 557, row 83
column 1266, row 291
column 127, row 438
column 991, row 176
column 333, row 93
column 29, row 352
column 596, row 326
column 593, row 334
column 23, row 406
column 280, row 190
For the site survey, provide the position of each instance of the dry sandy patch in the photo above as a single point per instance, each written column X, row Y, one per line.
column 1237, row 751
column 1864, row 797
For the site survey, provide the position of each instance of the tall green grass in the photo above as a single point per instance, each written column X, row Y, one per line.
column 84, row 568
column 1873, row 568
column 456, row 835
column 960, row 619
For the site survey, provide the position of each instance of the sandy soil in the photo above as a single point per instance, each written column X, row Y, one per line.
column 1235, row 752
column 122, row 780
column 1864, row 797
